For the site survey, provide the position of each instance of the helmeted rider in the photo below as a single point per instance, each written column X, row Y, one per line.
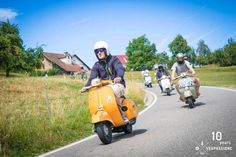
column 108, row 67
column 160, row 72
column 183, row 66
column 186, row 58
column 145, row 73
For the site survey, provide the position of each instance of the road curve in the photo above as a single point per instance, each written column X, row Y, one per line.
column 170, row 128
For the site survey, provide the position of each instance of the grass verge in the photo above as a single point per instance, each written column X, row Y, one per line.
column 41, row 114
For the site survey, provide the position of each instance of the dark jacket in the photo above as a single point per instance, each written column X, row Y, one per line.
column 160, row 73
column 107, row 70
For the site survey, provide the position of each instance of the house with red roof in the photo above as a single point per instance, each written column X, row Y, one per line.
column 65, row 63
column 123, row 59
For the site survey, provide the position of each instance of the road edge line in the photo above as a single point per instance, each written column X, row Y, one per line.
column 223, row 88
column 150, row 105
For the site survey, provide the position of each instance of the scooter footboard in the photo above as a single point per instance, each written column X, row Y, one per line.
column 132, row 111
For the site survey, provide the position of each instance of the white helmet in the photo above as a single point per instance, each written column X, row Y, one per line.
column 101, row 44
column 180, row 58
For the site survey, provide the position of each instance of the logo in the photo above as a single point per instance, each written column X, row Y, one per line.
column 201, row 149
column 218, row 144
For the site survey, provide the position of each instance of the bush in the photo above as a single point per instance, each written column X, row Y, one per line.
column 37, row 73
column 52, row 72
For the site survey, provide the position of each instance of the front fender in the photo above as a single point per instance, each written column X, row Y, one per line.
column 100, row 116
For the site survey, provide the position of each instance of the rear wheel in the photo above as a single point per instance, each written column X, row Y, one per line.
column 128, row 128
column 168, row 91
column 104, row 132
column 190, row 102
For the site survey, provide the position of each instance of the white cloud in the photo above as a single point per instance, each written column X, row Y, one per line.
column 7, row 14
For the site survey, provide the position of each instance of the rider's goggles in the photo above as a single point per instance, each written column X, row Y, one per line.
column 100, row 50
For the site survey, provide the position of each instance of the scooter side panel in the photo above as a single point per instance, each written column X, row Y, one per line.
column 193, row 91
column 101, row 116
column 132, row 111
column 181, row 92
column 103, row 99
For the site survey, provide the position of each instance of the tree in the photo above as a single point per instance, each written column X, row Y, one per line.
column 202, row 52
column 178, row 45
column 141, row 53
column 33, row 58
column 230, row 53
column 218, row 57
column 162, row 58
column 225, row 56
column 192, row 56
column 11, row 49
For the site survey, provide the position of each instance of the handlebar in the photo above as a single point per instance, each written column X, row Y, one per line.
column 183, row 75
column 96, row 83
column 163, row 77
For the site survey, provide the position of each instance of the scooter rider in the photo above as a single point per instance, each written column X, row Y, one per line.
column 183, row 66
column 145, row 73
column 161, row 71
column 108, row 67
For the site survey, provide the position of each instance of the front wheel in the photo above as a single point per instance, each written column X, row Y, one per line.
column 104, row 132
column 190, row 102
column 168, row 91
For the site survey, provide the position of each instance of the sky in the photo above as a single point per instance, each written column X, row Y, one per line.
column 75, row 25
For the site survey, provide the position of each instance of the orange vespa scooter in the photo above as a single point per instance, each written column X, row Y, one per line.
column 106, row 113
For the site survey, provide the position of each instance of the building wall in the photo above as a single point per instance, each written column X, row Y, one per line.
column 47, row 64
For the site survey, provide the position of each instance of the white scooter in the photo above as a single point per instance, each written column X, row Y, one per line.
column 166, row 85
column 148, row 81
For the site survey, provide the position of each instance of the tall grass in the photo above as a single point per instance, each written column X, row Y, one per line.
column 27, row 128
column 134, row 91
column 41, row 114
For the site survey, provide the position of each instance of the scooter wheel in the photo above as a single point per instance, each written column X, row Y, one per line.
column 104, row 132
column 190, row 102
column 168, row 92
column 128, row 128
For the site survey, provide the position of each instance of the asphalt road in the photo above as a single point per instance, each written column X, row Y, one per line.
column 170, row 128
